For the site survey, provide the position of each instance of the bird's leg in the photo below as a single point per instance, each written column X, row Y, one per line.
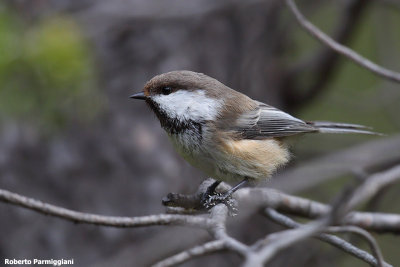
column 209, row 194
column 236, row 187
column 211, row 189
column 212, row 198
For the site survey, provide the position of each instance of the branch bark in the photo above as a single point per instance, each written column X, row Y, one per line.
column 324, row 62
column 328, row 238
column 261, row 252
column 206, row 248
column 96, row 219
column 341, row 49
column 372, row 221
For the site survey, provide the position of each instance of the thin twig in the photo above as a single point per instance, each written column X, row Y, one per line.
column 341, row 49
column 261, row 197
column 331, row 239
column 276, row 242
column 216, row 222
column 324, row 62
column 217, row 229
column 113, row 221
column 361, row 232
column 373, row 184
column 181, row 257
column 372, row 221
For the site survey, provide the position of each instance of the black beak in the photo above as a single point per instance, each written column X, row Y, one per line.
column 140, row 95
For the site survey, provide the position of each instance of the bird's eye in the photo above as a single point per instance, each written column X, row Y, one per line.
column 166, row 90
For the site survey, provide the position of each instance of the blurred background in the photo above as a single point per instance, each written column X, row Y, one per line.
column 70, row 136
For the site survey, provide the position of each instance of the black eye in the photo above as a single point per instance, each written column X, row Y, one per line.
column 166, row 90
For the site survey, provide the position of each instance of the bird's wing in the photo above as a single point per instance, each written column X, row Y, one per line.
column 266, row 121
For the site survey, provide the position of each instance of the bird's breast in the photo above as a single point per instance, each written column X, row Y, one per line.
column 229, row 159
column 193, row 144
column 256, row 159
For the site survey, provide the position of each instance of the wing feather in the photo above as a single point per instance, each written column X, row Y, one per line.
column 266, row 121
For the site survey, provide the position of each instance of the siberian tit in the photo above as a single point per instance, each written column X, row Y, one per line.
column 224, row 133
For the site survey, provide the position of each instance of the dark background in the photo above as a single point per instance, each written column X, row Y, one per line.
column 70, row 136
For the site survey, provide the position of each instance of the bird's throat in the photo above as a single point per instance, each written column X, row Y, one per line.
column 175, row 125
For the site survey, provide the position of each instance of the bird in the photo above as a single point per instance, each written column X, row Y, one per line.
column 225, row 133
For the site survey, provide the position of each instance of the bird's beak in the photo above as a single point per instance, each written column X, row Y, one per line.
column 139, row 95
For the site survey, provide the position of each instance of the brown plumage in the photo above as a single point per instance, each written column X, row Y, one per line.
column 223, row 132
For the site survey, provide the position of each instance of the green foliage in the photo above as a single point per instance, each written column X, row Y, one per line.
column 46, row 72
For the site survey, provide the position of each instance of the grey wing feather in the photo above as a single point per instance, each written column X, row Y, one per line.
column 267, row 121
column 335, row 127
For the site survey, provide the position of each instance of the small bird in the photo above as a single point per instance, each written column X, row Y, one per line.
column 224, row 133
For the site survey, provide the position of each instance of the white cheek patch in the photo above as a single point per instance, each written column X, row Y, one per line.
column 183, row 104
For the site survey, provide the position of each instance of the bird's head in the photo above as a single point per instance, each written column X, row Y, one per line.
column 183, row 96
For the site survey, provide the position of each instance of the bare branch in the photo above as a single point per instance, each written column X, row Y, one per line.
column 324, row 62
column 372, row 221
column 276, row 242
column 378, row 222
column 331, row 239
column 264, row 251
column 81, row 217
column 373, row 184
column 348, row 200
column 341, row 49
column 197, row 251
column 361, row 232
column 215, row 224
column 218, row 229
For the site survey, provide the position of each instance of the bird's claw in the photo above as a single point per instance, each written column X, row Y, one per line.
column 211, row 200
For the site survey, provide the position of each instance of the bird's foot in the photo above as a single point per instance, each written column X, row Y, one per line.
column 211, row 200
column 206, row 198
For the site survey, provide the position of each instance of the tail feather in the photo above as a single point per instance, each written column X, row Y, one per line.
column 333, row 127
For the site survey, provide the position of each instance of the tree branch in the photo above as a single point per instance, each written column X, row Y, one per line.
column 322, row 63
column 264, row 197
column 206, row 248
column 82, row 217
column 341, row 49
column 364, row 234
column 218, row 229
column 215, row 224
column 373, row 221
column 373, row 184
column 276, row 242
column 331, row 239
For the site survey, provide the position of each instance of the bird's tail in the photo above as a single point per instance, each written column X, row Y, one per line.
column 334, row 127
